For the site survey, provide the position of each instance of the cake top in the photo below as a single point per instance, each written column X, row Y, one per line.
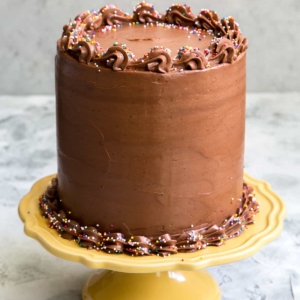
column 149, row 41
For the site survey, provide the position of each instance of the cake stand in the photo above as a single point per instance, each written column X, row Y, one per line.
column 181, row 276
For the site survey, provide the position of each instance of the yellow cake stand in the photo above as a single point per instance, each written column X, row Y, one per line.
column 181, row 276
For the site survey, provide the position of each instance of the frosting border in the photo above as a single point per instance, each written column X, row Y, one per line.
column 189, row 240
column 78, row 39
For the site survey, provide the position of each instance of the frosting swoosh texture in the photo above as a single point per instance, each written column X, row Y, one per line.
column 158, row 60
column 145, row 13
column 115, row 57
column 190, row 58
column 180, row 15
column 111, row 15
column 222, row 52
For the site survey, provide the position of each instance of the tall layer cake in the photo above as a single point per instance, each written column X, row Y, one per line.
column 150, row 131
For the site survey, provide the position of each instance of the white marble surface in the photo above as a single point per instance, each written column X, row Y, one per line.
column 30, row 28
column 27, row 152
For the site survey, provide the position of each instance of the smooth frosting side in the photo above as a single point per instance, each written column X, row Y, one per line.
column 184, row 241
column 81, row 39
column 168, row 146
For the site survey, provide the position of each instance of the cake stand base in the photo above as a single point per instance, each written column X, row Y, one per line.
column 153, row 277
column 173, row 285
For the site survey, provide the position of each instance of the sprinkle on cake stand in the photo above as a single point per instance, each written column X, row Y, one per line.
column 155, row 277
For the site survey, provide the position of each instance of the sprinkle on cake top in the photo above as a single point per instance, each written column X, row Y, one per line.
column 150, row 41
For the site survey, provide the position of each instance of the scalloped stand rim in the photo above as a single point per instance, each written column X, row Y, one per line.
column 126, row 271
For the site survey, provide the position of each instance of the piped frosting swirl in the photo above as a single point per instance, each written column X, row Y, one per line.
column 180, row 15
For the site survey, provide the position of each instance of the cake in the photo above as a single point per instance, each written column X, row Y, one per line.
column 150, row 131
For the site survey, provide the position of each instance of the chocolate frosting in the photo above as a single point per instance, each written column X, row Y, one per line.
column 158, row 60
column 111, row 15
column 190, row 58
column 149, row 142
column 145, row 13
column 180, row 15
column 223, row 52
column 190, row 240
column 83, row 38
column 115, row 57
column 150, row 152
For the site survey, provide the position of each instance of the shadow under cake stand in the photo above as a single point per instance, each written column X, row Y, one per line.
column 181, row 276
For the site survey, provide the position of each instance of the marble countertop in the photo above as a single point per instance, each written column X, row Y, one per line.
column 28, row 152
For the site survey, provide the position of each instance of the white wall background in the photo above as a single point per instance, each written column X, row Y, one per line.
column 29, row 30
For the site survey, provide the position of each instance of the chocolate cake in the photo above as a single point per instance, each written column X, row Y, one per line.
column 150, row 131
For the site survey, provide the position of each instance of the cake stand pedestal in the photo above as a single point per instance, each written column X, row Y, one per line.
column 181, row 276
